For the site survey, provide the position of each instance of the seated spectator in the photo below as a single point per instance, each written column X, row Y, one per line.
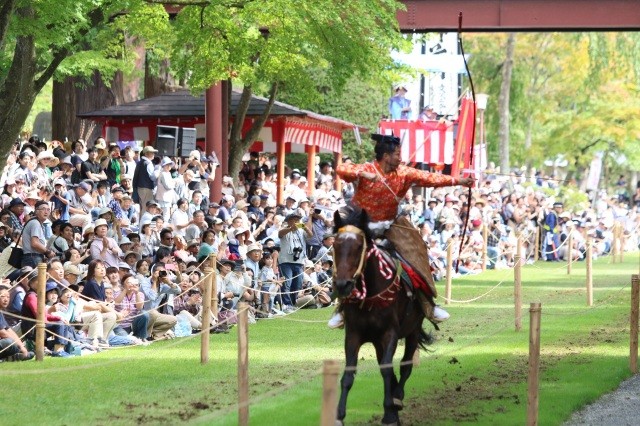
column 10, row 344
column 56, row 327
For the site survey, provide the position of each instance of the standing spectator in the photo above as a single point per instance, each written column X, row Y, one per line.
column 399, row 106
column 144, row 179
column 33, row 240
column 292, row 256
column 165, row 190
column 552, row 237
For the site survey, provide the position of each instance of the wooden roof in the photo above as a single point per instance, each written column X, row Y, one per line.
column 182, row 103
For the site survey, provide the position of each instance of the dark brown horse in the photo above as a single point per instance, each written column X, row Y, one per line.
column 376, row 308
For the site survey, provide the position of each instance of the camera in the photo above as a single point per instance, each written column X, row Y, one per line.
column 297, row 251
column 317, row 211
column 162, row 274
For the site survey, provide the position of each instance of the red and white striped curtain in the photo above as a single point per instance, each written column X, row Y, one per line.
column 428, row 142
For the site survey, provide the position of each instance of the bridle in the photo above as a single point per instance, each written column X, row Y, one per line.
column 386, row 270
column 363, row 253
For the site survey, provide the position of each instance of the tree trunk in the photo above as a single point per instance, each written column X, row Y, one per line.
column 73, row 96
column 18, row 91
column 528, row 138
column 157, row 82
column 238, row 144
column 503, row 104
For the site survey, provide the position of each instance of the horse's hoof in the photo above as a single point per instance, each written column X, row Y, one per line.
column 391, row 424
column 339, row 423
column 397, row 402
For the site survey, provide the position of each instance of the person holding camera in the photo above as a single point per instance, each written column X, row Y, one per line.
column 320, row 224
column 292, row 256
column 113, row 165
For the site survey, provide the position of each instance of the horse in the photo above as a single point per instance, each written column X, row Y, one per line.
column 376, row 308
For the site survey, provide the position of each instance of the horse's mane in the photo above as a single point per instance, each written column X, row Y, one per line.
column 352, row 215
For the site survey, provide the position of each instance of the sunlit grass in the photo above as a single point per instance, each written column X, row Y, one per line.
column 476, row 373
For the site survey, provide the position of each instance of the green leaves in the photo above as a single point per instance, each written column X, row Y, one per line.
column 283, row 40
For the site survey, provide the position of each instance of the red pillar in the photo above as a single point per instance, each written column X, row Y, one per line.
column 311, row 169
column 280, row 172
column 337, row 161
column 213, row 135
column 226, row 103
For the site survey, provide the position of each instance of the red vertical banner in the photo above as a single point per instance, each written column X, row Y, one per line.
column 464, row 139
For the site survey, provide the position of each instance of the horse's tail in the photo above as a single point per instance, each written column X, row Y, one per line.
column 425, row 339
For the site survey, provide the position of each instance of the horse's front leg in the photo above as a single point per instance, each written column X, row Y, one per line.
column 351, row 348
column 406, row 366
column 389, row 344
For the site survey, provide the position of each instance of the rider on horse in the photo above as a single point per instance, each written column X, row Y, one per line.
column 379, row 188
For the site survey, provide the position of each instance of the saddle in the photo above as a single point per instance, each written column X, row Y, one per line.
column 412, row 251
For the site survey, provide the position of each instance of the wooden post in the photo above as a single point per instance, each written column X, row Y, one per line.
column 589, row 261
column 447, row 288
column 280, row 172
column 534, row 363
column 485, row 235
column 633, row 341
column 614, row 243
column 622, row 243
column 337, row 162
column 416, row 358
column 517, row 283
column 214, row 286
column 206, row 315
column 330, row 372
column 243, row 364
column 569, row 250
column 41, row 314
column 536, row 245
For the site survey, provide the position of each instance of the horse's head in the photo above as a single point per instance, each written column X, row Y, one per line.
column 349, row 248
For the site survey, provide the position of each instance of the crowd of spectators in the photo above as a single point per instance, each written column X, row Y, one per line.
column 126, row 235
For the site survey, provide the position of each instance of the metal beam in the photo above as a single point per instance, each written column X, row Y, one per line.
column 520, row 15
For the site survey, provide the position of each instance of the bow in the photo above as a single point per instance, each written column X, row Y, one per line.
column 473, row 134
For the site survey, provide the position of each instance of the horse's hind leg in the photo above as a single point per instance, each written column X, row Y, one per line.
column 406, row 366
column 387, row 347
column 351, row 349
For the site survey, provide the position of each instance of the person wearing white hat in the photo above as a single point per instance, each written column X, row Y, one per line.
column 103, row 247
column 165, row 190
column 144, row 179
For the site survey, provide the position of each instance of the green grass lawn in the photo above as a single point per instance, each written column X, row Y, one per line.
column 476, row 372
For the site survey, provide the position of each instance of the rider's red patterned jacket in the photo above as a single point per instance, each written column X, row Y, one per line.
column 381, row 198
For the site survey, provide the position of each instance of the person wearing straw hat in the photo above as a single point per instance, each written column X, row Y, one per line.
column 380, row 187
